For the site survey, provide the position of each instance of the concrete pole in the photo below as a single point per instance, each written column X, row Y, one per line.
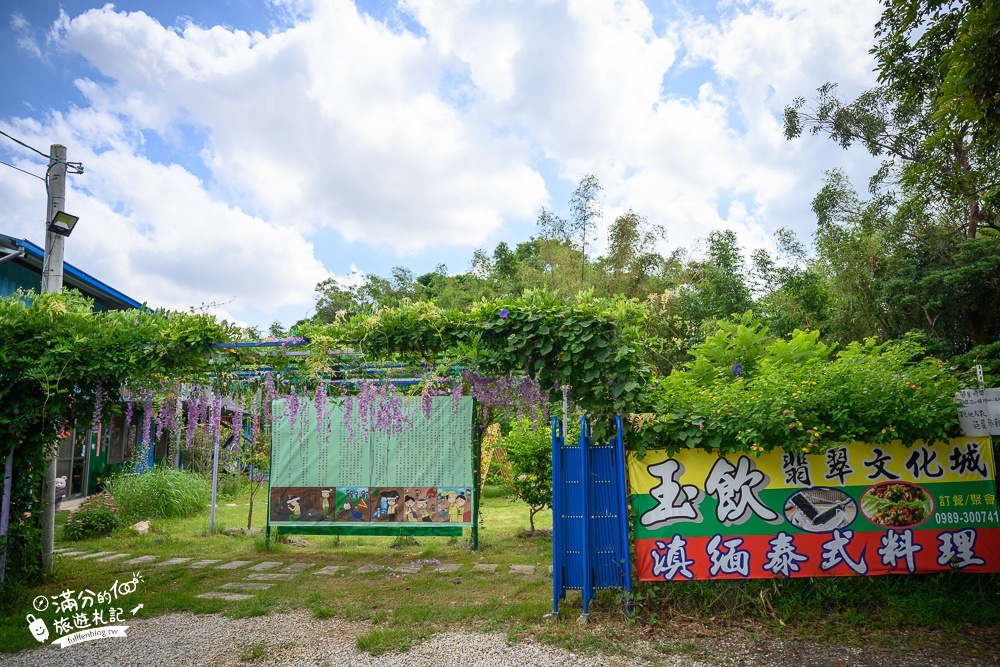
column 52, row 281
column 55, row 244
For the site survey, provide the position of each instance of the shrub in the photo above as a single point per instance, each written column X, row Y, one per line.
column 97, row 515
column 529, row 453
column 747, row 391
column 229, row 485
column 161, row 493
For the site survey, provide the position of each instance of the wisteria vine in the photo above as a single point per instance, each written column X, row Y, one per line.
column 368, row 406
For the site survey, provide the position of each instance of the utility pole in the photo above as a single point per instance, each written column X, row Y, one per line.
column 52, row 281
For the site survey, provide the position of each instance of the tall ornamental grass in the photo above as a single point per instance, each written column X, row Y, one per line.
column 161, row 493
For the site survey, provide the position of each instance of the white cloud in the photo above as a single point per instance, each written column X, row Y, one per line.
column 333, row 122
column 26, row 40
column 155, row 233
column 408, row 140
column 585, row 82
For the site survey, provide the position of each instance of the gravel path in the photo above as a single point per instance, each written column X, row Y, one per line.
column 297, row 639
column 293, row 639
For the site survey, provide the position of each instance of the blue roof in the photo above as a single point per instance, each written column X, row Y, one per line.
column 72, row 276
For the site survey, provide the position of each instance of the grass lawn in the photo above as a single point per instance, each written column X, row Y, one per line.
column 417, row 604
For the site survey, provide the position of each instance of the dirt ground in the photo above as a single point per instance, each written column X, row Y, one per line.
column 710, row 644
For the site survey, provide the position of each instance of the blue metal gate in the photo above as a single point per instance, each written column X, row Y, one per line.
column 590, row 549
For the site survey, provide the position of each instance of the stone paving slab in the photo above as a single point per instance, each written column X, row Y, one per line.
column 447, row 567
column 407, row 569
column 86, row 556
column 550, row 570
column 330, row 569
column 270, row 576
column 484, row 567
column 247, row 585
column 222, row 595
column 59, row 551
column 266, row 565
column 522, row 569
column 298, row 567
column 233, row 565
column 111, row 557
column 141, row 559
column 198, row 564
column 72, row 553
column 370, row 567
column 172, row 561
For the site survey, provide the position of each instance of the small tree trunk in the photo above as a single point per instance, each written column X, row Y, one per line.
column 531, row 517
column 250, row 513
column 8, row 474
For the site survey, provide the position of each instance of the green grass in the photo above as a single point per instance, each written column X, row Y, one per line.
column 253, row 653
column 406, row 608
column 425, row 599
column 382, row 640
column 261, row 605
column 162, row 493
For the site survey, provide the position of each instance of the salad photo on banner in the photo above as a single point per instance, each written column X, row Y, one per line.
column 856, row 509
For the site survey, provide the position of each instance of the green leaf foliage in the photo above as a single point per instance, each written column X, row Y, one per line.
column 798, row 393
column 54, row 351
column 96, row 516
column 529, row 451
column 162, row 493
column 591, row 345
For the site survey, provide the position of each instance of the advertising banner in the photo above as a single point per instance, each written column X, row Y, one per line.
column 857, row 509
column 342, row 475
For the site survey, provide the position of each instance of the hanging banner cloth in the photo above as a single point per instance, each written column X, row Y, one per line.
column 334, row 473
column 857, row 509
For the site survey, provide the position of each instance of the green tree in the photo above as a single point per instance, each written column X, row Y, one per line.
column 945, row 52
column 528, row 449
column 717, row 286
column 792, row 292
column 585, row 206
column 632, row 266
column 933, row 204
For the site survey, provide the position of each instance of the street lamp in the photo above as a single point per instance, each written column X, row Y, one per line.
column 62, row 223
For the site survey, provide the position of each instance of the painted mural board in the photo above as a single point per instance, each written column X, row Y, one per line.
column 858, row 509
column 329, row 477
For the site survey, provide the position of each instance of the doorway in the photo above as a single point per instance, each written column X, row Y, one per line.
column 72, row 462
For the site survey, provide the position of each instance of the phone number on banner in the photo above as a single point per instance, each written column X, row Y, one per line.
column 965, row 517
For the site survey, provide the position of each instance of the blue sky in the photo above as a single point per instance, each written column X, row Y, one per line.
column 238, row 152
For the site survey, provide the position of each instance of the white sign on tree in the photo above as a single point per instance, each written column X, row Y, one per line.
column 979, row 413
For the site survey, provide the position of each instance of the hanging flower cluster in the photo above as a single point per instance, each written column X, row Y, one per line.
column 516, row 396
column 99, row 397
column 376, row 407
column 368, row 406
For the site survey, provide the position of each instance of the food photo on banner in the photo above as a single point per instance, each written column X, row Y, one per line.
column 858, row 509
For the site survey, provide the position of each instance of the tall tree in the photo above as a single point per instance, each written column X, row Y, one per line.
column 632, row 266
column 791, row 292
column 934, row 200
column 945, row 52
column 585, row 206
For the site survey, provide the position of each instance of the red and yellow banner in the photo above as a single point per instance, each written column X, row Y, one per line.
column 857, row 509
